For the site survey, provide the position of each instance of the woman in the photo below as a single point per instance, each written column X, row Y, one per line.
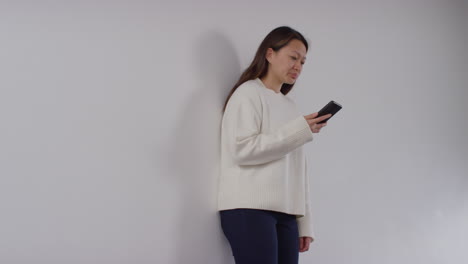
column 263, row 194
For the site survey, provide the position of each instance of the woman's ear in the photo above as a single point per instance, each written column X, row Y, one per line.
column 269, row 54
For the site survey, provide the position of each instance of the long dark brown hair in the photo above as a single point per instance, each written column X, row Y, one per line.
column 276, row 39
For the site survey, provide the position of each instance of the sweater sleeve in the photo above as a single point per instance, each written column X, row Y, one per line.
column 248, row 145
column 305, row 223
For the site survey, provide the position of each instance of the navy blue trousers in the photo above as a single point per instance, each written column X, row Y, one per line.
column 261, row 236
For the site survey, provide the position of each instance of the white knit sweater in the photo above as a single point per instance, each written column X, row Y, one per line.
column 263, row 164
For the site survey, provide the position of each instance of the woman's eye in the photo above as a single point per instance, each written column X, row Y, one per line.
column 294, row 58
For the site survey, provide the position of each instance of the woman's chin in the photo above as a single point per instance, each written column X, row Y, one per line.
column 290, row 80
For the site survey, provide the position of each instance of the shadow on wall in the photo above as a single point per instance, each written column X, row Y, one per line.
column 194, row 159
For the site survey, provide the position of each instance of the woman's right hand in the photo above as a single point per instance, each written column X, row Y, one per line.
column 312, row 119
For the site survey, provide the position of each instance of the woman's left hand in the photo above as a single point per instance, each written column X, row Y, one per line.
column 304, row 243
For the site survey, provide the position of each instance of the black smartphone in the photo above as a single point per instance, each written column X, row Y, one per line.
column 331, row 108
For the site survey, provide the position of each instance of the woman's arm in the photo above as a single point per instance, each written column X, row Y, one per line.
column 248, row 144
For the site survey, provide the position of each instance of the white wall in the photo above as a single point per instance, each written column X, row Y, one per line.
column 110, row 112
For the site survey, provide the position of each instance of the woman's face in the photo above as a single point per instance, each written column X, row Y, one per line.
column 286, row 64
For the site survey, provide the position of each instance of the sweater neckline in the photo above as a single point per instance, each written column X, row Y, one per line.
column 270, row 90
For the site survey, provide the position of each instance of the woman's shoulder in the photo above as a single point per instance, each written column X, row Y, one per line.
column 249, row 86
column 248, row 89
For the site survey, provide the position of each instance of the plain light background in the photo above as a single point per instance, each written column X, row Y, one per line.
column 110, row 115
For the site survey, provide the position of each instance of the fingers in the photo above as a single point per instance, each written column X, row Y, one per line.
column 311, row 116
column 319, row 126
column 316, row 127
column 317, row 120
column 313, row 120
column 304, row 243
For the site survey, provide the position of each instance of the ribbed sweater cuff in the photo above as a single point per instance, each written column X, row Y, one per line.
column 300, row 130
column 305, row 227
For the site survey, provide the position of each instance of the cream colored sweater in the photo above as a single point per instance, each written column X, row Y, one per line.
column 263, row 164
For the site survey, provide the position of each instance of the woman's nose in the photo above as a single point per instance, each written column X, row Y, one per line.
column 298, row 66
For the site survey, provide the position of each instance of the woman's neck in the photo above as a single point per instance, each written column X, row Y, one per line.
column 272, row 83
